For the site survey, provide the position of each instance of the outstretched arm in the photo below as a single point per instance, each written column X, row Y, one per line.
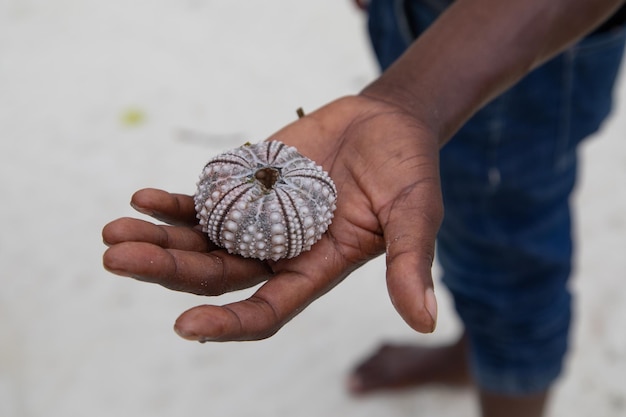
column 381, row 149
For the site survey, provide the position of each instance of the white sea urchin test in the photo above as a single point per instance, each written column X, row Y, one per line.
column 264, row 201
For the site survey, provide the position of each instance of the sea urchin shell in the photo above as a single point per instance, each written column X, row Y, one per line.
column 264, row 201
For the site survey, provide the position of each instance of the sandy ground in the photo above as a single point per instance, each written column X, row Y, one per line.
column 100, row 98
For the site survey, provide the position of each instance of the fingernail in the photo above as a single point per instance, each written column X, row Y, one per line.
column 354, row 384
column 430, row 302
column 189, row 335
column 142, row 210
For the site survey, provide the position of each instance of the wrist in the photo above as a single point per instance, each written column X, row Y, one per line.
column 394, row 93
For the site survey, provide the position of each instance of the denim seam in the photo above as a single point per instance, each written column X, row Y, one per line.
column 496, row 127
column 565, row 125
column 404, row 28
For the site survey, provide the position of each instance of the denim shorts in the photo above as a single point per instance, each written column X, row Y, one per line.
column 505, row 245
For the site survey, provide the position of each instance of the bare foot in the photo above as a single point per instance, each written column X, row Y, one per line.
column 393, row 367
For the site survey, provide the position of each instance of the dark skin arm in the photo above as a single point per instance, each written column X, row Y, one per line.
column 381, row 149
column 479, row 48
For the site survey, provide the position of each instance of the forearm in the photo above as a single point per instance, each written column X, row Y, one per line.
column 479, row 48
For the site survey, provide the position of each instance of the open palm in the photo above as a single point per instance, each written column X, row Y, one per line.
column 384, row 163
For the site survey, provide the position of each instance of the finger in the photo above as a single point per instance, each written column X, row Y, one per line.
column 172, row 237
column 175, row 209
column 258, row 317
column 213, row 273
column 275, row 303
column 410, row 233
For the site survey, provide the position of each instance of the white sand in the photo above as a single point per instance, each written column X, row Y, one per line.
column 205, row 76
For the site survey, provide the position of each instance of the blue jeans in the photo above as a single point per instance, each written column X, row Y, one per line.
column 505, row 245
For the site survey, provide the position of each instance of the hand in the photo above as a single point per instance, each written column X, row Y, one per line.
column 385, row 165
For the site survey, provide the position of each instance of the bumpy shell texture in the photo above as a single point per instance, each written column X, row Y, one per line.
column 264, row 201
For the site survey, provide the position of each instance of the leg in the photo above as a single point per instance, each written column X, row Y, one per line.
column 509, row 233
column 497, row 405
column 505, row 244
column 505, row 248
column 395, row 367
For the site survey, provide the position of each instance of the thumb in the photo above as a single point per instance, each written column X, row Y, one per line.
column 410, row 234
